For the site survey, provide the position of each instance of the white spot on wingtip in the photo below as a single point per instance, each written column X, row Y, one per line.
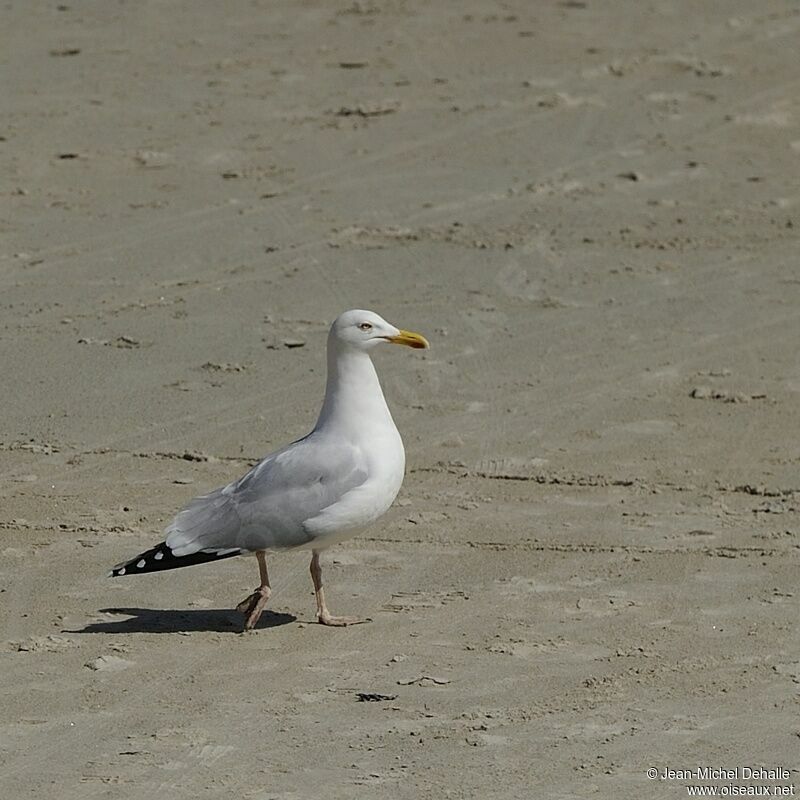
column 121, row 571
column 159, row 555
column 141, row 563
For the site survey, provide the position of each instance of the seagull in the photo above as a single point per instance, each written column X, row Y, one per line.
column 313, row 493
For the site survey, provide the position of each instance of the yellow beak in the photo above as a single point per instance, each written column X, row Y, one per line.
column 409, row 338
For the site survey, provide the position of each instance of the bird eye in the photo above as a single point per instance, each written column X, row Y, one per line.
column 365, row 326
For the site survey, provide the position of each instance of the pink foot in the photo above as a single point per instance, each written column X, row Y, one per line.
column 340, row 622
column 253, row 606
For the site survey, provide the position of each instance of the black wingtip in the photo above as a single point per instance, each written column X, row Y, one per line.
column 160, row 557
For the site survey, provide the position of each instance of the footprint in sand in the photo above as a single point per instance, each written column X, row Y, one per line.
column 109, row 664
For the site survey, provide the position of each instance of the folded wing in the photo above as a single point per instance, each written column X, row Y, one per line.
column 266, row 508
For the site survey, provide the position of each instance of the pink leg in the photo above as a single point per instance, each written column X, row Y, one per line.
column 323, row 615
column 254, row 604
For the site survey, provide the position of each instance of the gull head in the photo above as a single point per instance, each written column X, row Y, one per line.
column 363, row 330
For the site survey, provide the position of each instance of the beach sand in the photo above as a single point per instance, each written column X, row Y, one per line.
column 591, row 211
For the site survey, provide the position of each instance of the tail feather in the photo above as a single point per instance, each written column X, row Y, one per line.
column 205, row 523
column 161, row 557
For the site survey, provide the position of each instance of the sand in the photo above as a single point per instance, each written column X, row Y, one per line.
column 591, row 211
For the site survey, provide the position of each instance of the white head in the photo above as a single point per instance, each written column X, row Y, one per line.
column 363, row 330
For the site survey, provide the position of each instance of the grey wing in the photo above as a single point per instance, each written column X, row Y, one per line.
column 266, row 508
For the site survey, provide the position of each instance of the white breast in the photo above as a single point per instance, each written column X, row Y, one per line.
column 385, row 456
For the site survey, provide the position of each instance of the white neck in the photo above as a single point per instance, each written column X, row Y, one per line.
column 353, row 396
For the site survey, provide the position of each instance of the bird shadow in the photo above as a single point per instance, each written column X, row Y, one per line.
column 156, row 620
